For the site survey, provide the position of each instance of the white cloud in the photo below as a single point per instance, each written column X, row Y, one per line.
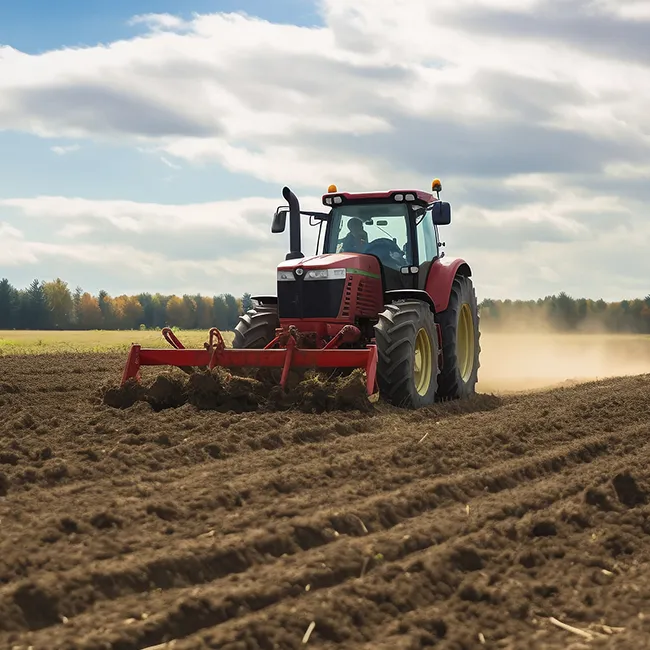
column 626, row 170
column 13, row 252
column 542, row 137
column 158, row 21
column 250, row 94
column 628, row 9
column 169, row 163
column 62, row 150
column 7, row 231
column 244, row 218
column 74, row 230
column 125, row 264
column 210, row 247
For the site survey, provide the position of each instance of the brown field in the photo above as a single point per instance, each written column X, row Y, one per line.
column 467, row 525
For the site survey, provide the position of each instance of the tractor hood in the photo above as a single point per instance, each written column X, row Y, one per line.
column 331, row 261
column 350, row 261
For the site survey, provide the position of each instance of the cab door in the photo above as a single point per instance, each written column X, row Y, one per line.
column 428, row 244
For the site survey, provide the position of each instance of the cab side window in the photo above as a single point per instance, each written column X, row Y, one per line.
column 427, row 238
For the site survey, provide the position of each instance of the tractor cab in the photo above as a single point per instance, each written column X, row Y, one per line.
column 399, row 228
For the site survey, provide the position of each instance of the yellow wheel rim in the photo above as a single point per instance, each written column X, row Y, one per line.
column 423, row 367
column 465, row 342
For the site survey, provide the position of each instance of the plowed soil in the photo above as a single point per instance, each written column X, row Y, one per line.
column 467, row 525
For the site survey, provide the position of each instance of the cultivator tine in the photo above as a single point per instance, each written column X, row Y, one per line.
column 174, row 341
column 171, row 338
column 132, row 367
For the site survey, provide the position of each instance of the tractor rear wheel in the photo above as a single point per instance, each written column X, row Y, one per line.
column 407, row 347
column 256, row 328
column 459, row 325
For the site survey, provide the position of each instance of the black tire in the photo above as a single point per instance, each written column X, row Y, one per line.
column 396, row 335
column 256, row 328
column 456, row 382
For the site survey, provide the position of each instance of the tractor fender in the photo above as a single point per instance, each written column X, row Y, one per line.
column 409, row 294
column 440, row 278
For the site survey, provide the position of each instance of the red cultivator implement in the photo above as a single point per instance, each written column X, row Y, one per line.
column 283, row 352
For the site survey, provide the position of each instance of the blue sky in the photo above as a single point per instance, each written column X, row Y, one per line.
column 149, row 155
column 38, row 25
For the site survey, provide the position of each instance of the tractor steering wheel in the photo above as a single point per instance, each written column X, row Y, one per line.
column 387, row 251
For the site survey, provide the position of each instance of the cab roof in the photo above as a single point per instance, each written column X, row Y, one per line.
column 419, row 196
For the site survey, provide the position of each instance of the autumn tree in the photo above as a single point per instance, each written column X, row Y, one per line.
column 90, row 315
column 132, row 313
column 174, row 311
column 103, row 301
column 204, row 311
column 188, row 320
column 59, row 302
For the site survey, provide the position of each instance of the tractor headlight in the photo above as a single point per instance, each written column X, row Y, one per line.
column 325, row 274
column 319, row 274
column 399, row 197
column 410, row 197
column 286, row 276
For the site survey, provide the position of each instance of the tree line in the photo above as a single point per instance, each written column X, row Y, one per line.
column 53, row 305
column 562, row 313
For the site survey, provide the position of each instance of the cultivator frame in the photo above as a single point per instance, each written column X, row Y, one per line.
column 283, row 352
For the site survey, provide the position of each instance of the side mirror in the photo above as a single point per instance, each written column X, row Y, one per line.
column 280, row 219
column 441, row 213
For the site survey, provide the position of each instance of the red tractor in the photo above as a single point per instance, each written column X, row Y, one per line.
column 380, row 295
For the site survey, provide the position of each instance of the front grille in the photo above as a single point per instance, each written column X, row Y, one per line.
column 366, row 300
column 310, row 299
column 345, row 312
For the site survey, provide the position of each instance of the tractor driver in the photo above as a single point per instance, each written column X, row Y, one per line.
column 357, row 239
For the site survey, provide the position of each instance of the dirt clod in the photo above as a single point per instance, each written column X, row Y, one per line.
column 218, row 390
column 627, row 490
column 4, row 484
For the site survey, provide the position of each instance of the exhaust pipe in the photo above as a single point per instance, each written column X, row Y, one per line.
column 294, row 225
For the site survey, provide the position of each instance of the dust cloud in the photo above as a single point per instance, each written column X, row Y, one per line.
column 513, row 361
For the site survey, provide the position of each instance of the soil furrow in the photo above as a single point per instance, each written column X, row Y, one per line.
column 463, row 574
column 200, row 563
column 454, row 523
column 321, row 568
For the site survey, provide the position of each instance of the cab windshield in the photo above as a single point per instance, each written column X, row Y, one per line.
column 377, row 229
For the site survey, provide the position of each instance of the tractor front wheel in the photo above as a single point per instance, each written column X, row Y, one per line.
column 407, row 347
column 256, row 328
column 460, row 342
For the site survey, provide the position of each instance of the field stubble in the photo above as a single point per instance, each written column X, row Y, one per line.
column 459, row 526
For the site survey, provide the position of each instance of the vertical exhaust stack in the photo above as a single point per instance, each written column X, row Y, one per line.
column 295, row 243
